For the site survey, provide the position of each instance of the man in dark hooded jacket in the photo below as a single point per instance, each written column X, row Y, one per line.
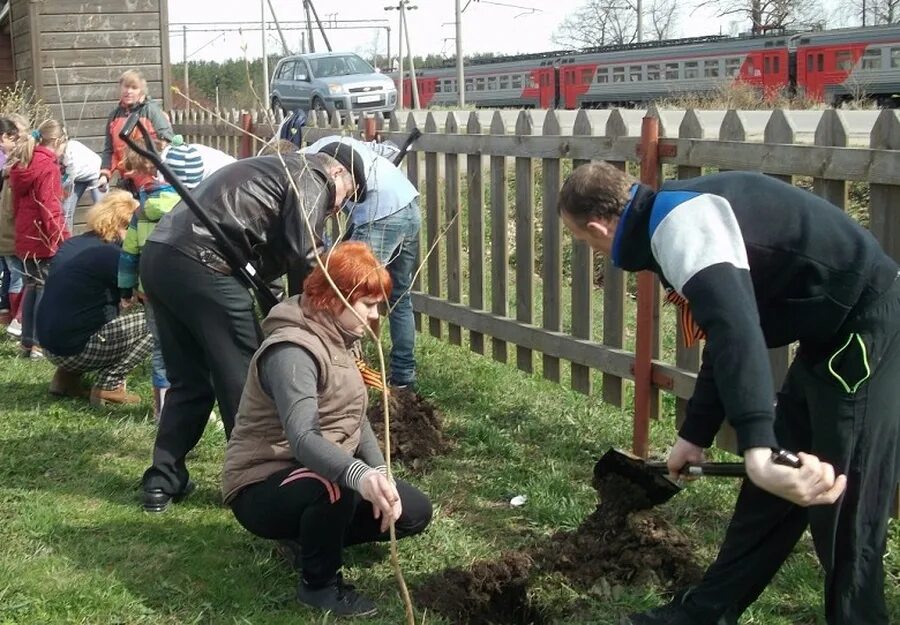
column 272, row 210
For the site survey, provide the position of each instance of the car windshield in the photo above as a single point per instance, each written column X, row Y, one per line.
column 328, row 66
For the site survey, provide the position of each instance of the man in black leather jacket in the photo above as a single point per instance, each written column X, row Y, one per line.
column 272, row 210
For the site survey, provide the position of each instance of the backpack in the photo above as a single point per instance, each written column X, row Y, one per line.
column 292, row 127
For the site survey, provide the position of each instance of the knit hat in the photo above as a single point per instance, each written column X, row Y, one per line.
column 186, row 163
column 344, row 154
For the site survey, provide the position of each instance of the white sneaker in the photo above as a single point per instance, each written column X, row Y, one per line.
column 14, row 328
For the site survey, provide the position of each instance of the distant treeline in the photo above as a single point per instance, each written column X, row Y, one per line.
column 234, row 78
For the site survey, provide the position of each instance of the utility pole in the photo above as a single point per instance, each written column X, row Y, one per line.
column 309, row 30
column 460, row 76
column 399, row 56
column 284, row 44
column 640, row 21
column 187, row 75
column 412, row 68
column 265, row 54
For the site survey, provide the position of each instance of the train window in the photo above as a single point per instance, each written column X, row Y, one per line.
column 469, row 84
column 653, row 71
column 587, row 76
column 517, row 81
column 492, row 83
column 634, row 73
column 450, row 85
column 732, row 66
column 895, row 58
column 810, row 62
column 711, row 69
column 871, row 60
column 767, row 65
column 776, row 64
column 671, row 71
column 843, row 60
column 602, row 74
column 437, row 86
column 820, row 61
column 691, row 69
column 479, row 84
column 504, row 81
column 619, row 74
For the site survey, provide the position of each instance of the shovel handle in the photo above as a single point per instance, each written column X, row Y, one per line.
column 717, row 469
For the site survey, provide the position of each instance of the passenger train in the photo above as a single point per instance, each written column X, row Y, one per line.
column 827, row 66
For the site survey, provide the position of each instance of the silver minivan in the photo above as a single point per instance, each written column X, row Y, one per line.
column 330, row 81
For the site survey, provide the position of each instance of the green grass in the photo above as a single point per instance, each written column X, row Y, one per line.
column 77, row 548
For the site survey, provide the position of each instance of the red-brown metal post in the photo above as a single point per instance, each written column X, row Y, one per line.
column 643, row 357
column 246, row 137
column 369, row 127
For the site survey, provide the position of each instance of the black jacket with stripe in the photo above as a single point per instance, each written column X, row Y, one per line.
column 763, row 264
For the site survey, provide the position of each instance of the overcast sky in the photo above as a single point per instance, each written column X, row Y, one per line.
column 503, row 26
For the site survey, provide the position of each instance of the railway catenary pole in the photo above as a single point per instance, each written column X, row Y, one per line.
column 414, row 86
column 460, row 75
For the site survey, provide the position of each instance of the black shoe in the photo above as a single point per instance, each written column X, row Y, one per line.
column 289, row 550
column 157, row 500
column 673, row 613
column 338, row 598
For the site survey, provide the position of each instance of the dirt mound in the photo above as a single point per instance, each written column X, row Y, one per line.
column 622, row 544
column 417, row 433
column 488, row 593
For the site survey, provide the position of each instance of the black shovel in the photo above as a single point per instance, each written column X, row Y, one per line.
column 652, row 477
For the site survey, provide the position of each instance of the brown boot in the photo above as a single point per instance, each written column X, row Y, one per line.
column 101, row 397
column 67, row 384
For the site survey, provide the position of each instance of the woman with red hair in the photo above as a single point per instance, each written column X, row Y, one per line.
column 302, row 465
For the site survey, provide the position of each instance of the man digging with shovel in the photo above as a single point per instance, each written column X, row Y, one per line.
column 755, row 263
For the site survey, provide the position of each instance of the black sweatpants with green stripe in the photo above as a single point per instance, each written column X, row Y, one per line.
column 843, row 405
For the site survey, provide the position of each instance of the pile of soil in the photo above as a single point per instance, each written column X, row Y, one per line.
column 417, row 433
column 488, row 593
column 620, row 544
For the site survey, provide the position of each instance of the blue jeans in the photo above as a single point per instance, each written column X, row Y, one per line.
column 13, row 270
column 71, row 201
column 157, row 364
column 36, row 270
column 395, row 241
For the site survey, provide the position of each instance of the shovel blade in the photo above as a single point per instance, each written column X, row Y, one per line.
column 653, row 485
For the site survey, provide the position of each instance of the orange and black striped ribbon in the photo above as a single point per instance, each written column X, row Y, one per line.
column 689, row 328
column 370, row 376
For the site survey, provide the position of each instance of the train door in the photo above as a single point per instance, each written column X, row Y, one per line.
column 574, row 82
column 548, row 87
column 774, row 71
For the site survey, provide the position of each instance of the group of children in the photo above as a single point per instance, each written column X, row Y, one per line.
column 44, row 175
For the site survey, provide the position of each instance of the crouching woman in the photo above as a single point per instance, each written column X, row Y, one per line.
column 303, row 463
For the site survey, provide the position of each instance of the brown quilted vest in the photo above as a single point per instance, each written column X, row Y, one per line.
column 258, row 446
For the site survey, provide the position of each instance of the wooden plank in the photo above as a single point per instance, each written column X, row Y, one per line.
column 552, row 246
column 104, row 74
column 614, row 293
column 475, row 201
column 65, row 7
column 831, row 131
column 165, row 53
column 588, row 354
column 582, row 280
column 97, row 57
column 34, row 47
column 453, row 235
column 87, row 127
column 104, row 92
column 74, row 22
column 524, row 242
column 499, row 240
column 81, row 110
column 884, row 220
column 413, row 170
column 102, row 39
column 433, row 225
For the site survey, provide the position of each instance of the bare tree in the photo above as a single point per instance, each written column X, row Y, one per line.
column 608, row 22
column 872, row 12
column 766, row 15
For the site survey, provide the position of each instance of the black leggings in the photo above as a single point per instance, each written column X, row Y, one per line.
column 297, row 504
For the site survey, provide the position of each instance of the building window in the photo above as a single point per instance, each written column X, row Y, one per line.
column 871, row 60
column 691, row 69
column 671, row 71
column 711, row 69
column 732, row 66
column 602, row 74
column 653, row 71
column 619, row 74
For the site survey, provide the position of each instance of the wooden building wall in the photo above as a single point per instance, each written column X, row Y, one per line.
column 7, row 70
column 73, row 51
